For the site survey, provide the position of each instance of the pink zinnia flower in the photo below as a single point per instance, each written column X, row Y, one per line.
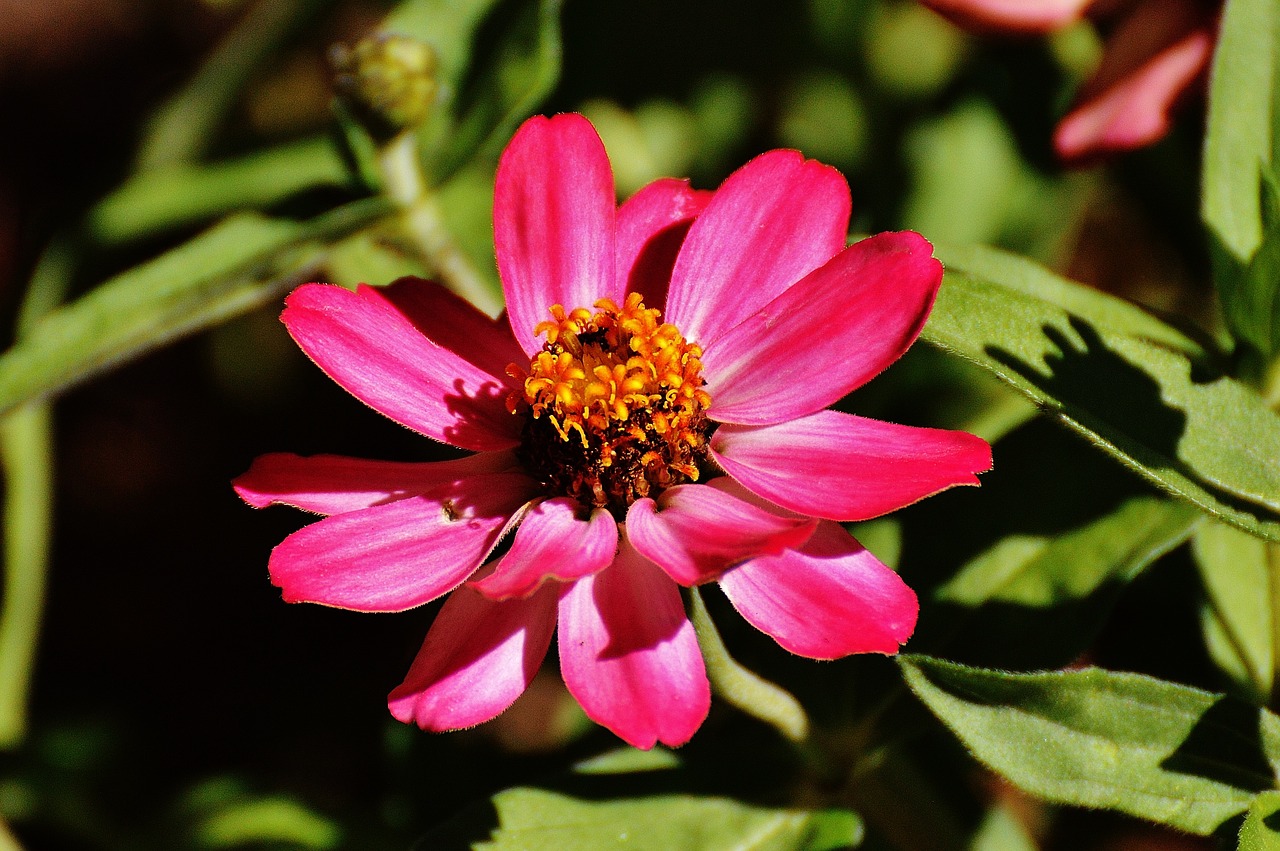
column 1157, row 52
column 629, row 454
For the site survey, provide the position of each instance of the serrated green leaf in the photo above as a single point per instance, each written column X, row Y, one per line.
column 1240, row 139
column 1029, row 278
column 541, row 820
column 1153, row 749
column 1207, row 440
column 184, row 195
column 1261, row 828
column 1238, row 572
column 236, row 266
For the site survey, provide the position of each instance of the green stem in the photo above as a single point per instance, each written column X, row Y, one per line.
column 26, row 453
column 742, row 688
column 424, row 220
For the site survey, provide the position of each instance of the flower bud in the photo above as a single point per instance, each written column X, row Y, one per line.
column 388, row 81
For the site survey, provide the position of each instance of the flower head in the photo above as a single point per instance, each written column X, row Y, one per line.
column 650, row 414
column 1156, row 54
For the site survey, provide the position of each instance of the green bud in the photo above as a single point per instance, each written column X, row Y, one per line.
column 388, row 81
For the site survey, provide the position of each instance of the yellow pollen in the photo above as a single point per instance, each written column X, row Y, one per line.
column 615, row 405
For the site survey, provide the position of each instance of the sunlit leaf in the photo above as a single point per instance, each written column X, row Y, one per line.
column 1031, row 600
column 230, row 269
column 1240, row 138
column 539, row 820
column 192, row 193
column 1239, row 571
column 1128, row 387
column 1154, row 749
column 1261, row 828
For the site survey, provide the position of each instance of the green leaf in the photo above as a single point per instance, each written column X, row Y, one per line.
column 236, row 266
column 1153, row 749
column 185, row 195
column 1240, row 138
column 1031, row 600
column 1239, row 573
column 1001, row 830
column 497, row 62
column 1128, row 386
column 1250, row 293
column 541, row 820
column 1261, row 828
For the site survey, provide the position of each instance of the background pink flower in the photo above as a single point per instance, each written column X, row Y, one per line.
column 636, row 453
column 1157, row 52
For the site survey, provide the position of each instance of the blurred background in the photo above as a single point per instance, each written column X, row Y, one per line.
column 177, row 702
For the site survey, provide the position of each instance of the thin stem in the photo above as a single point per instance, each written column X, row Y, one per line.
column 26, row 452
column 424, row 220
column 744, row 689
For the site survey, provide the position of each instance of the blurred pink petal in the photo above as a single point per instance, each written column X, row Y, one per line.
column 1152, row 60
column 826, row 600
column 1023, row 16
column 629, row 655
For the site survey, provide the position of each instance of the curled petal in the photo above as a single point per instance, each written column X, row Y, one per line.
column 478, row 657
column 825, row 600
column 651, row 228
column 696, row 532
column 450, row 321
column 1015, row 16
column 392, row 557
column 376, row 354
column 629, row 655
column 1156, row 55
column 843, row 467
column 553, row 222
column 334, row 484
column 772, row 222
column 832, row 332
column 552, row 543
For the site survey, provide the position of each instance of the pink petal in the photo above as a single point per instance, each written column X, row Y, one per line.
column 826, row 600
column 454, row 323
column 553, row 222
column 1152, row 59
column 772, row 222
column 392, row 557
column 334, row 484
column 376, row 354
column 629, row 655
column 696, row 532
column 842, row 467
column 478, row 657
column 552, row 543
column 830, row 333
column 651, row 228
column 1018, row 16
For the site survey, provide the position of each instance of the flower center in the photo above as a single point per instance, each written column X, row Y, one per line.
column 615, row 405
